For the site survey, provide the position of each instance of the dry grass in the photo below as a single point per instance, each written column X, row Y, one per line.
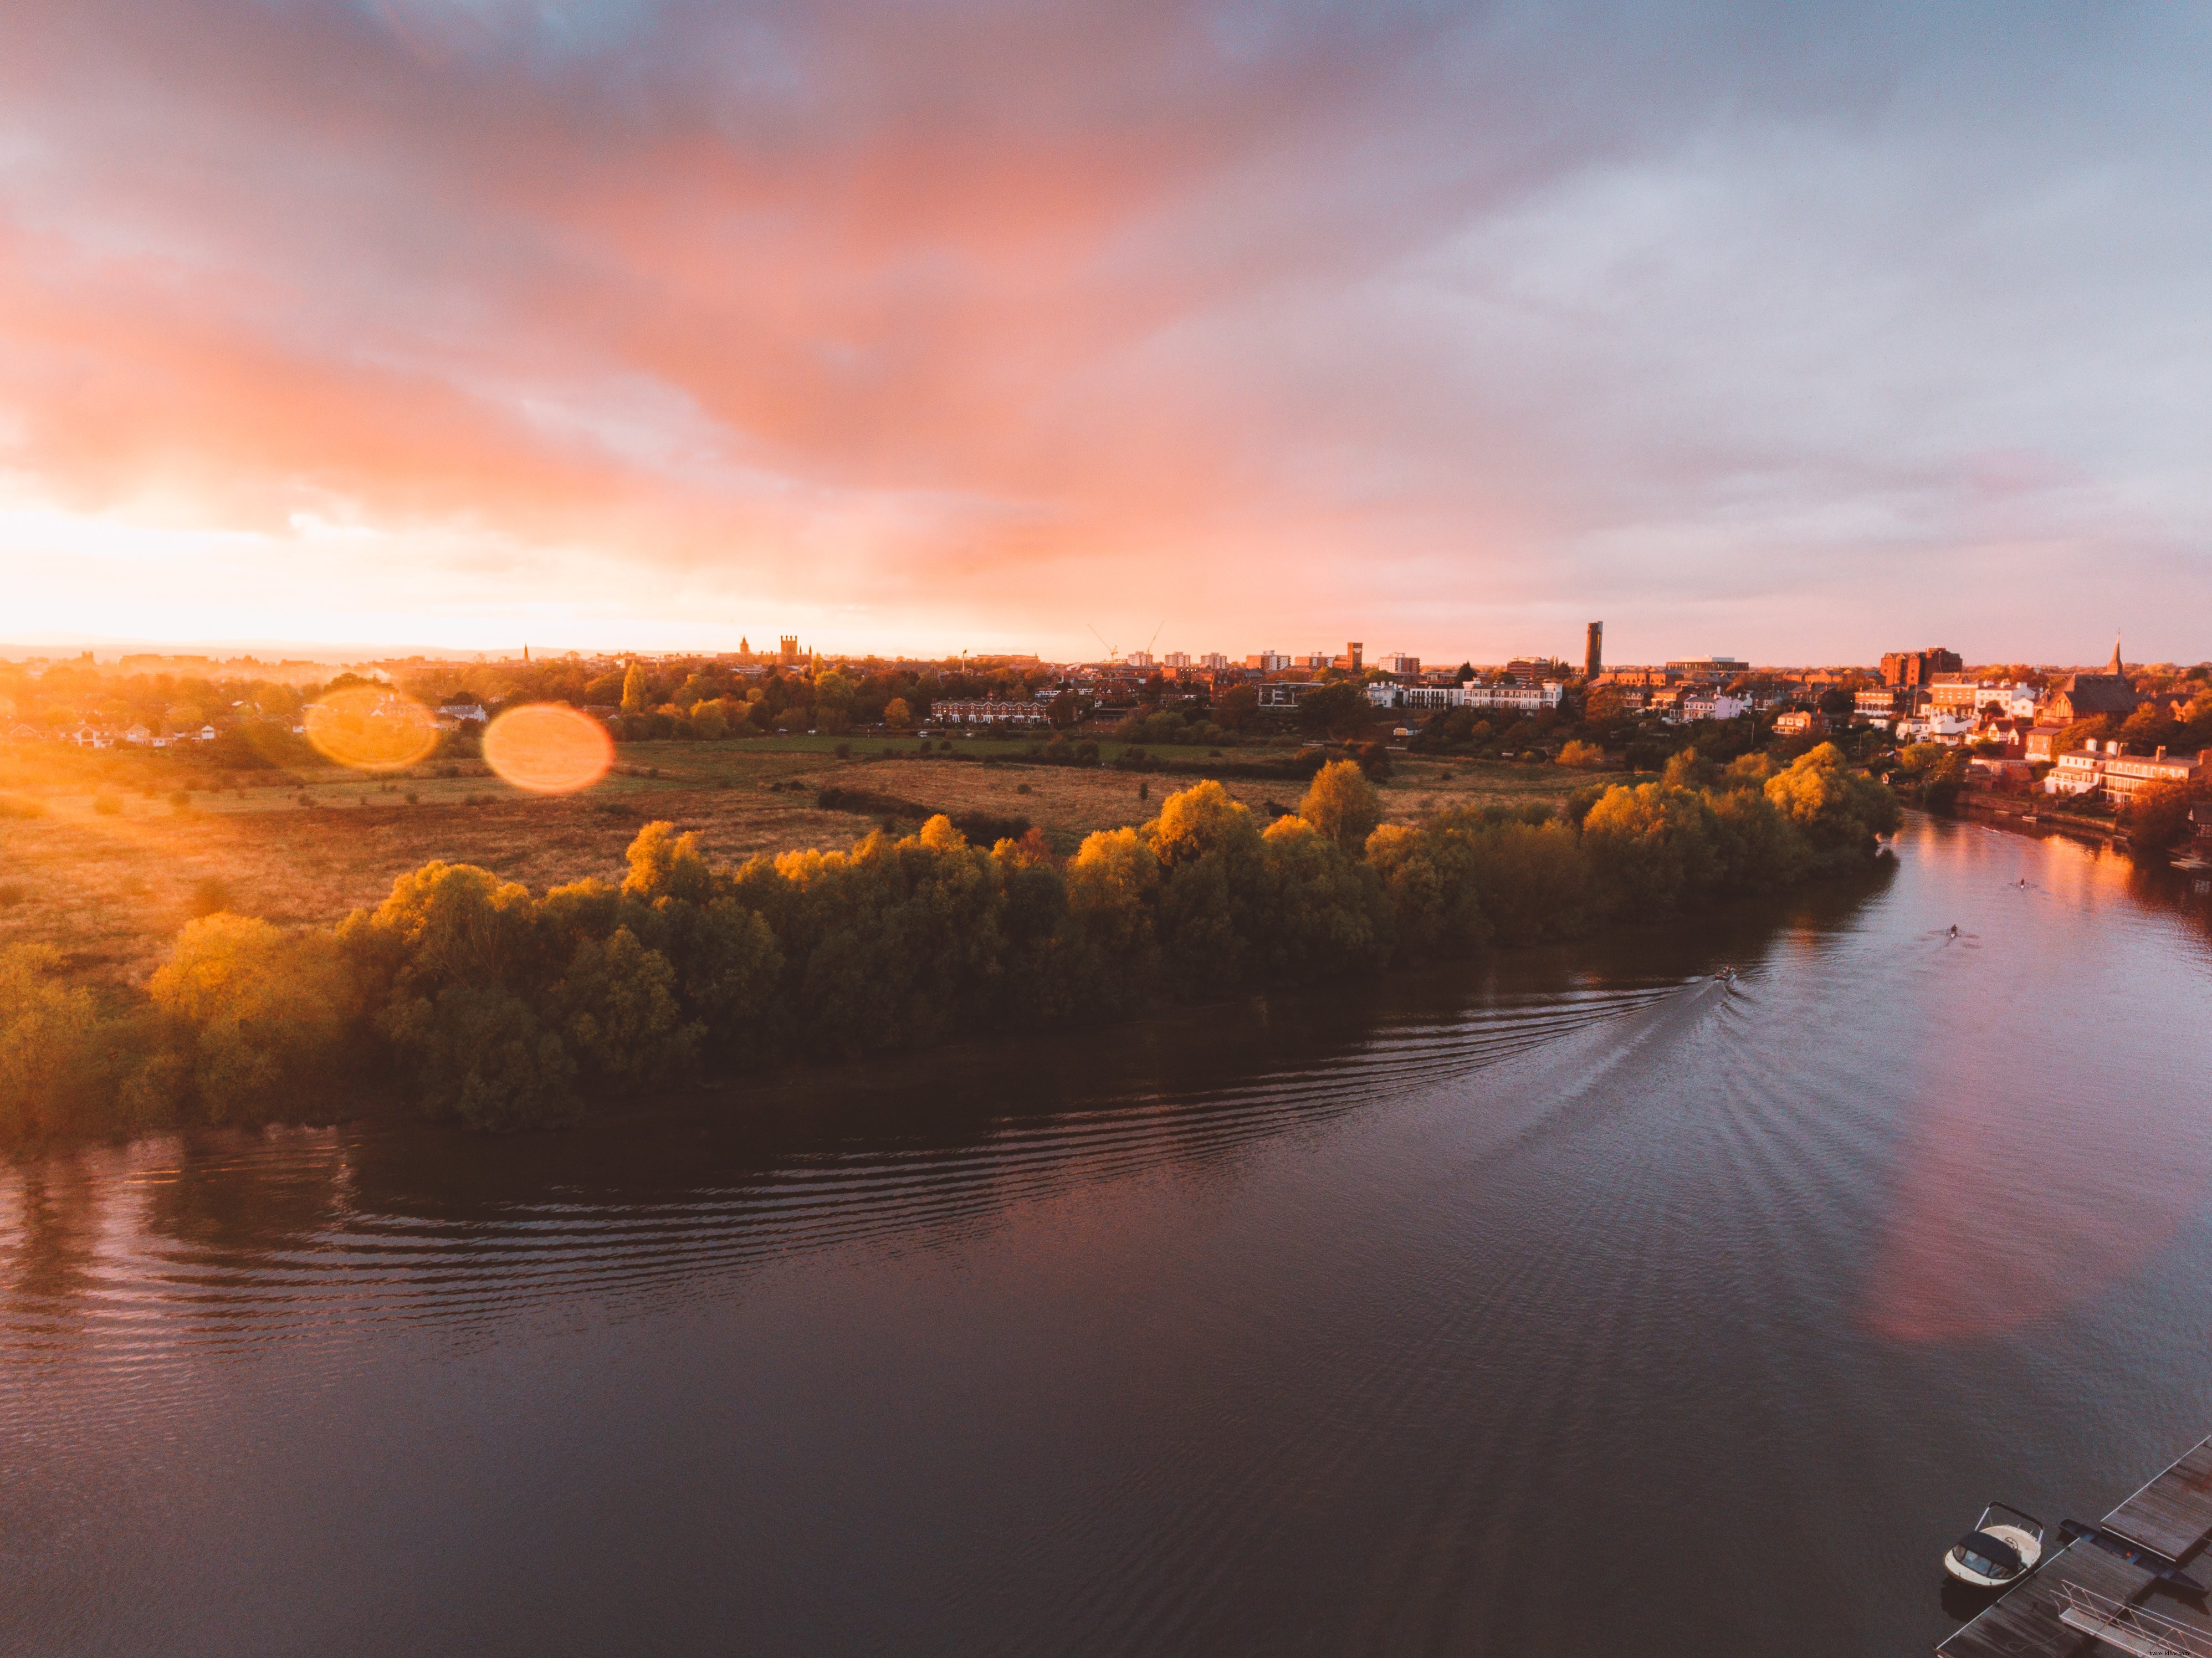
column 109, row 889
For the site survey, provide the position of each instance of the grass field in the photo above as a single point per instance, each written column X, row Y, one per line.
column 109, row 887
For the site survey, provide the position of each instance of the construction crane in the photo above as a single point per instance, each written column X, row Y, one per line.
column 1113, row 652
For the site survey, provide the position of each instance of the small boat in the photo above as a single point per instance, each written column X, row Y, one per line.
column 2002, row 1548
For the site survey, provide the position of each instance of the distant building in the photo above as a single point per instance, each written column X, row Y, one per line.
column 1316, row 660
column 991, row 712
column 1519, row 699
column 1714, row 705
column 1911, row 669
column 1400, row 664
column 1956, row 694
column 1881, row 706
column 2109, row 766
column 1594, row 651
column 1175, row 659
column 1528, row 669
column 1950, row 726
column 1215, row 660
column 1268, row 661
column 1350, row 660
column 1800, row 723
column 1708, row 667
column 1139, row 659
column 2087, row 695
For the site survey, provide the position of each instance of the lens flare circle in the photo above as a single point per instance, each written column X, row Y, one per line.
column 371, row 728
column 548, row 748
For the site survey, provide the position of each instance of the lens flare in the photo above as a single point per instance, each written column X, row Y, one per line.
column 548, row 748
column 372, row 728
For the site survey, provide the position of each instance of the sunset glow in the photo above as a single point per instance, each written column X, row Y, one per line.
column 662, row 326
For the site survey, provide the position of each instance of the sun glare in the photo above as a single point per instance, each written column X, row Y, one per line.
column 372, row 728
column 548, row 748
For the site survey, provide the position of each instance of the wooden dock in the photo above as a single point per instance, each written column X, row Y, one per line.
column 2086, row 1602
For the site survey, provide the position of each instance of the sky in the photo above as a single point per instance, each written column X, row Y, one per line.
column 1793, row 331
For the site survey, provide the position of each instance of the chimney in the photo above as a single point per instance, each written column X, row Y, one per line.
column 2160, row 755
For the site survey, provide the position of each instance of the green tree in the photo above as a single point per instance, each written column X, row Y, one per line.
column 1338, row 710
column 2157, row 817
column 1234, row 708
column 59, row 1054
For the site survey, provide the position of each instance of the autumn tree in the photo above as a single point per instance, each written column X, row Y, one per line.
column 268, row 1010
column 1342, row 804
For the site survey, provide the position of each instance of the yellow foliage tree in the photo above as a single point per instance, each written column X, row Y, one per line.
column 267, row 1010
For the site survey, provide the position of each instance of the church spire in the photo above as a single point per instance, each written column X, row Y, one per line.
column 2116, row 670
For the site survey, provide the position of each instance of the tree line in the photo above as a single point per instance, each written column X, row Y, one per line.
column 488, row 1006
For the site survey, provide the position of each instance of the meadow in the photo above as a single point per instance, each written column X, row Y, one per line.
column 114, row 851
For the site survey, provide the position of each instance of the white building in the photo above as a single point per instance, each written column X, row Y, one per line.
column 1139, row 659
column 1713, row 705
column 1268, row 661
column 1175, row 659
column 1516, row 699
column 1402, row 664
column 1956, row 694
column 1214, row 660
column 2110, row 767
column 1950, row 726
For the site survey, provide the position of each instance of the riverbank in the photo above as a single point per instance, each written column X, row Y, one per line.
column 480, row 1002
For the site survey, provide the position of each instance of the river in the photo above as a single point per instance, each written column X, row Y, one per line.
column 1572, row 1304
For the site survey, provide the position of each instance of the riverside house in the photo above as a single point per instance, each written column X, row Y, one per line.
column 2109, row 766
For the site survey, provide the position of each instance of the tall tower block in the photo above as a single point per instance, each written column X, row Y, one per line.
column 1594, row 651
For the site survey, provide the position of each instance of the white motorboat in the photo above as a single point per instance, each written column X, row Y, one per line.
column 2002, row 1548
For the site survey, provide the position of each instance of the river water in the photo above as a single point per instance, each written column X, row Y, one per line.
column 1571, row 1304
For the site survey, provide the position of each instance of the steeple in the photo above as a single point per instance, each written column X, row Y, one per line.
column 2116, row 670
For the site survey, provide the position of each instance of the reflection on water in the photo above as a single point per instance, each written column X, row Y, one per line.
column 1542, row 1308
